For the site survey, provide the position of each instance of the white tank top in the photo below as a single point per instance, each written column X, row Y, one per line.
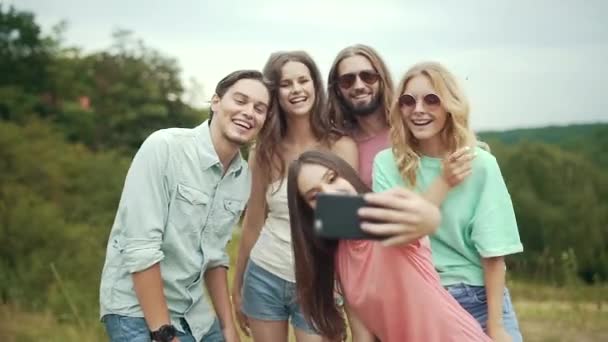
column 273, row 251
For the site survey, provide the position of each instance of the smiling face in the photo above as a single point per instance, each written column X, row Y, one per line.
column 314, row 179
column 426, row 116
column 296, row 89
column 240, row 113
column 362, row 97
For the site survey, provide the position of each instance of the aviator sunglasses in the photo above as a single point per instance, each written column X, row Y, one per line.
column 347, row 80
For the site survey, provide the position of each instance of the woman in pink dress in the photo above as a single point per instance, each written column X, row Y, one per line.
column 392, row 293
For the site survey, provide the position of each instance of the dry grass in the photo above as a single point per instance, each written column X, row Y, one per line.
column 20, row 326
column 543, row 321
column 562, row 321
column 546, row 313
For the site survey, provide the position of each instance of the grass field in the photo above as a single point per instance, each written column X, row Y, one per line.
column 546, row 313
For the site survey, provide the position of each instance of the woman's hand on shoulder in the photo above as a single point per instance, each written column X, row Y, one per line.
column 458, row 166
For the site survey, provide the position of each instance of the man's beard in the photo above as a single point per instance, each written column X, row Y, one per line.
column 362, row 110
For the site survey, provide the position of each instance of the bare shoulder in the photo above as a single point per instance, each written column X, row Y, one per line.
column 346, row 148
column 344, row 143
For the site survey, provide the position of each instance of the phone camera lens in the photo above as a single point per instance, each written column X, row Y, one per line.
column 318, row 225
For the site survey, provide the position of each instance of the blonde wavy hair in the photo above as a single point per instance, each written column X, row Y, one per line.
column 455, row 134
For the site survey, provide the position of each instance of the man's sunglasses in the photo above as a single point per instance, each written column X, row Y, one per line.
column 409, row 101
column 347, row 80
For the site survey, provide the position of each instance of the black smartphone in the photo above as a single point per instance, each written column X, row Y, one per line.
column 336, row 217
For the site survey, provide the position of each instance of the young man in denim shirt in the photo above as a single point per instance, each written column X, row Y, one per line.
column 183, row 194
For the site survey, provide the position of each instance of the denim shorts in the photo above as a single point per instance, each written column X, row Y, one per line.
column 134, row 329
column 267, row 297
column 474, row 300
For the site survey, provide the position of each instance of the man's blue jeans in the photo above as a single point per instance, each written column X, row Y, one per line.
column 135, row 329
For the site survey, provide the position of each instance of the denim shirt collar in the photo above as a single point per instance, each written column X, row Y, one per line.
column 207, row 154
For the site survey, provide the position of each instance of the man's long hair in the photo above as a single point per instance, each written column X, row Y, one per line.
column 338, row 113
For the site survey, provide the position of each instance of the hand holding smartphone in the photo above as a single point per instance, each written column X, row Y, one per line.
column 336, row 217
column 396, row 216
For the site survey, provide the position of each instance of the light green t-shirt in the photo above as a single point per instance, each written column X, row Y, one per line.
column 477, row 217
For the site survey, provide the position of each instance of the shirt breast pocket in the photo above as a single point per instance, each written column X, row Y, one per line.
column 188, row 208
column 232, row 210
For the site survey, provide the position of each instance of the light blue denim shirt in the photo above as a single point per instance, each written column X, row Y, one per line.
column 176, row 208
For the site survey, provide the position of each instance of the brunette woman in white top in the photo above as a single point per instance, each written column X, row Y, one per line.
column 264, row 290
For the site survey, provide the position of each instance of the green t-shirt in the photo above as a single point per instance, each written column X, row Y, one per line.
column 477, row 217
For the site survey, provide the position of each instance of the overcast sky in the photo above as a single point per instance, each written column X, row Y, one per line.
column 522, row 63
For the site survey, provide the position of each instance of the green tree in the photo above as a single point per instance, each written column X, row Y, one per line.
column 560, row 200
column 24, row 54
column 24, row 57
column 57, row 203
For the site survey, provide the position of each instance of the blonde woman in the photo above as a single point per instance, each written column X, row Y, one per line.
column 429, row 120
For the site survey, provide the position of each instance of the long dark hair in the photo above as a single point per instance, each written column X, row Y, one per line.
column 269, row 154
column 315, row 257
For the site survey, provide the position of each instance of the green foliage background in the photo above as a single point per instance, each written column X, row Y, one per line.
column 62, row 166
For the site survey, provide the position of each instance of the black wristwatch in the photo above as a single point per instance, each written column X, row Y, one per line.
column 165, row 333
